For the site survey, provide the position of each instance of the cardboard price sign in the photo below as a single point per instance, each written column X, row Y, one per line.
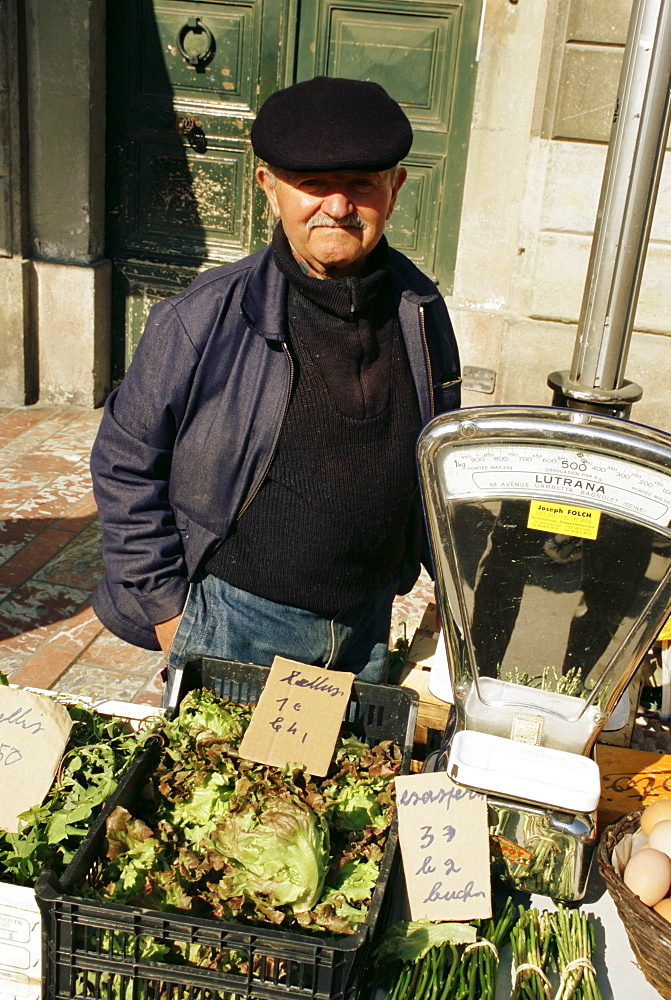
column 33, row 734
column 298, row 716
column 444, row 840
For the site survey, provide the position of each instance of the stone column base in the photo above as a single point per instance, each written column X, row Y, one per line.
column 73, row 324
column 18, row 362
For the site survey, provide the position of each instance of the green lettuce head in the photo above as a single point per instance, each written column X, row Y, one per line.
column 201, row 710
column 276, row 856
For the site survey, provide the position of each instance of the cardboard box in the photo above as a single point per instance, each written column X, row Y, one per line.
column 630, row 779
column 20, row 920
column 432, row 713
column 20, row 944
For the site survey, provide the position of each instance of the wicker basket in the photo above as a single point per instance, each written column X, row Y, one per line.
column 648, row 933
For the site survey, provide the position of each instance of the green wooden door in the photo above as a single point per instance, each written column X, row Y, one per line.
column 186, row 78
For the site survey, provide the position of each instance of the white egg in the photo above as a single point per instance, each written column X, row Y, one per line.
column 660, row 837
column 648, row 875
column 656, row 811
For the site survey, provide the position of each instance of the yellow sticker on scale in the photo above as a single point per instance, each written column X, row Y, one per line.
column 563, row 519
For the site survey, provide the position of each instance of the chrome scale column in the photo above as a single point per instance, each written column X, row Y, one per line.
column 628, row 193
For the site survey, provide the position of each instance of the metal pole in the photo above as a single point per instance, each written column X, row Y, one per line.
column 624, row 218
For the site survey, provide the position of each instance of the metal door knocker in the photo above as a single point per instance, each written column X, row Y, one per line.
column 198, row 60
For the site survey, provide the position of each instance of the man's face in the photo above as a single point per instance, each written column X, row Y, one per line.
column 332, row 219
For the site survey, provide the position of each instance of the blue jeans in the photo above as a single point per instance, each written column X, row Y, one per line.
column 223, row 621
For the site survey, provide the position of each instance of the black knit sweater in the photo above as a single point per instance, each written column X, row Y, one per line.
column 327, row 526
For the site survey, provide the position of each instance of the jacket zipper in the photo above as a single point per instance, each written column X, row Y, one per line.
column 270, row 460
column 332, row 636
column 428, row 360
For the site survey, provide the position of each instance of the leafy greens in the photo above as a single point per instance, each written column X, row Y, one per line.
column 224, row 837
column 98, row 749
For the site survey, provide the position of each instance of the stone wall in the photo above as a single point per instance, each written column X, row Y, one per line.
column 54, row 279
column 546, row 90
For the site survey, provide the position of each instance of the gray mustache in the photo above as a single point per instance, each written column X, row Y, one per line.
column 351, row 221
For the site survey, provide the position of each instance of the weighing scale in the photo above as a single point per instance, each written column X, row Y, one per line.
column 550, row 531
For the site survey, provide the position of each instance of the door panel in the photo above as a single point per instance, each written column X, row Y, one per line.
column 411, row 228
column 193, row 205
column 232, row 43
column 411, row 54
column 137, row 286
column 423, row 54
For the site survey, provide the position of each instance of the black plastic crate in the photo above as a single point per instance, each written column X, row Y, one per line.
column 101, row 951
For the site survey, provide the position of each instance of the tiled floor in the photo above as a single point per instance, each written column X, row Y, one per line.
column 50, row 561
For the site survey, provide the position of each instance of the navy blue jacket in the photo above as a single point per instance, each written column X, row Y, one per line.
column 187, row 438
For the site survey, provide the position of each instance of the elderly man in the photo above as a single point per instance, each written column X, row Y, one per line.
column 255, row 471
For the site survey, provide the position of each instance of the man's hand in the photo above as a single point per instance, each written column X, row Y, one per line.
column 165, row 633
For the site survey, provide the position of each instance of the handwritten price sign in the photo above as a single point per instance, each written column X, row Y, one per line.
column 33, row 733
column 445, row 846
column 297, row 718
column 288, row 723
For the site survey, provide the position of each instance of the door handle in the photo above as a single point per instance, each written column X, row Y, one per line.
column 185, row 124
column 196, row 59
column 191, row 129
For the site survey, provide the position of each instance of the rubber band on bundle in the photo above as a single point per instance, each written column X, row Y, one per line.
column 484, row 943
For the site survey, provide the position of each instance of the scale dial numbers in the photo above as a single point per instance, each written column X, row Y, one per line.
column 557, row 473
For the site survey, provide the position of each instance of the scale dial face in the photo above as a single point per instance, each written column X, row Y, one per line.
column 558, row 473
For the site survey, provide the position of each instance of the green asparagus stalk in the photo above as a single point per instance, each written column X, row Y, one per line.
column 530, row 943
column 455, row 968
column 462, row 966
column 574, row 943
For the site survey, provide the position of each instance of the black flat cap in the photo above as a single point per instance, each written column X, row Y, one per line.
column 330, row 123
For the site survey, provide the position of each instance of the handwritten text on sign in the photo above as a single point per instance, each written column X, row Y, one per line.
column 445, row 846
column 33, row 733
column 298, row 717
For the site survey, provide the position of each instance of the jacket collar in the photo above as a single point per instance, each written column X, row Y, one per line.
column 409, row 282
column 264, row 299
